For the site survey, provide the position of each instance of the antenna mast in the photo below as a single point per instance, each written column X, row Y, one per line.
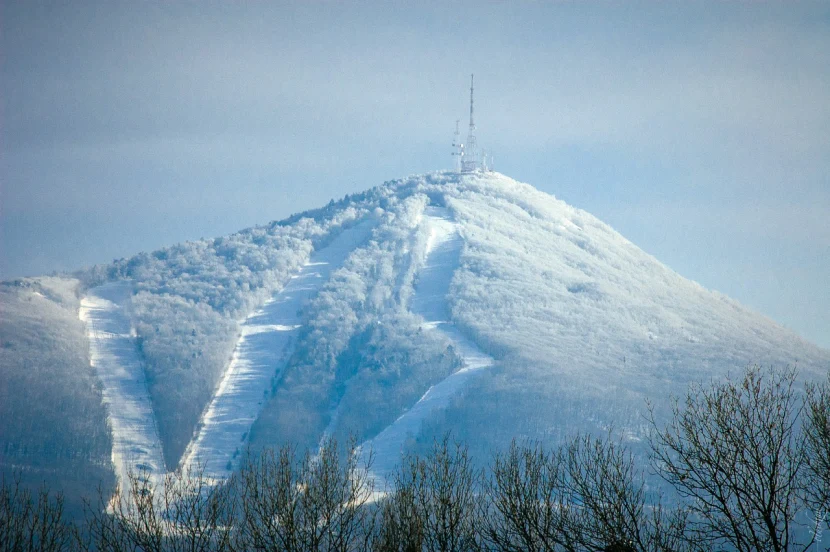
column 457, row 147
column 469, row 162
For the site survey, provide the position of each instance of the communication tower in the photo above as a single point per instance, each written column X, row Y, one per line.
column 469, row 159
column 457, row 147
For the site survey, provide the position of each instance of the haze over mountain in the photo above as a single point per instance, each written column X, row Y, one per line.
column 443, row 302
column 699, row 130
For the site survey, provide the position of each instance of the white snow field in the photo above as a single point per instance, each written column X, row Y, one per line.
column 112, row 351
column 265, row 346
column 429, row 300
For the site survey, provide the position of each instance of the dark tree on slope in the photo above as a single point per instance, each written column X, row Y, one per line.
column 53, row 424
column 401, row 525
column 316, row 504
column 186, row 513
column 817, row 445
column 586, row 496
column 434, row 505
column 525, row 489
column 32, row 522
column 735, row 452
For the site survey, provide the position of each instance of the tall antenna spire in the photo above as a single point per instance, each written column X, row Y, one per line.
column 472, row 124
column 469, row 162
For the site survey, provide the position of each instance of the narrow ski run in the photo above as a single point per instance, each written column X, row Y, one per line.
column 112, row 351
column 430, row 301
column 262, row 352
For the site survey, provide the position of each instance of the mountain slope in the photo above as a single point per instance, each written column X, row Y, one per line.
column 575, row 325
column 586, row 326
column 53, row 425
column 429, row 301
column 263, row 349
column 188, row 302
column 136, row 445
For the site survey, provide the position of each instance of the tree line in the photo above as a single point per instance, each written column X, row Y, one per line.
column 746, row 462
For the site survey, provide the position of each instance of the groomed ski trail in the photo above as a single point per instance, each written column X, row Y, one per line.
column 429, row 300
column 112, row 352
column 265, row 346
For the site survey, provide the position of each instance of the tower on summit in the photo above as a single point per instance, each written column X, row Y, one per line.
column 457, row 147
column 467, row 157
column 469, row 160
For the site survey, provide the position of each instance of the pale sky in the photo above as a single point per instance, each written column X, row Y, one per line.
column 699, row 130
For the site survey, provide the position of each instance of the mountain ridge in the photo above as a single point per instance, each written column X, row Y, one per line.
column 582, row 325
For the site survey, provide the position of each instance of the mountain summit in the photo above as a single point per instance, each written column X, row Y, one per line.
column 466, row 303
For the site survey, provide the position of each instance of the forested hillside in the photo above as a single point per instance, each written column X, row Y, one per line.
column 53, row 427
column 189, row 299
column 581, row 325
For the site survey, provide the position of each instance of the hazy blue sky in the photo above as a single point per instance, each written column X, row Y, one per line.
column 700, row 131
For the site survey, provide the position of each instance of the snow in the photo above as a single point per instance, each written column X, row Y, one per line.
column 443, row 250
column 585, row 327
column 112, row 351
column 266, row 344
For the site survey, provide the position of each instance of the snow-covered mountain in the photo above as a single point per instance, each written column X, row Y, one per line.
column 472, row 303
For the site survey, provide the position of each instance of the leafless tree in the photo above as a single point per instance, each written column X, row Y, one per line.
column 749, row 459
column 735, row 452
column 434, row 503
column 524, row 510
column 316, row 504
column 32, row 522
column 606, row 502
column 269, row 490
column 185, row 513
column 583, row 496
column 400, row 527
column 445, row 491
column 817, row 452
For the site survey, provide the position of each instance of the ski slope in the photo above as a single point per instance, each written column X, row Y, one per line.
column 112, row 351
column 264, row 348
column 430, row 301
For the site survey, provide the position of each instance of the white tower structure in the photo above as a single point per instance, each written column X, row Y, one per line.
column 469, row 160
column 457, row 147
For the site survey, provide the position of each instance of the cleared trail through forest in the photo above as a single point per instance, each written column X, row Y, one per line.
column 267, row 342
column 112, row 352
column 430, row 301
